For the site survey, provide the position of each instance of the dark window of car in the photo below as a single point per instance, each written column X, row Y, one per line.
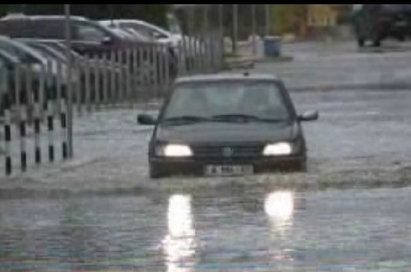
column 49, row 29
column 144, row 30
column 32, row 28
column 45, row 51
column 263, row 99
column 14, row 28
column 89, row 33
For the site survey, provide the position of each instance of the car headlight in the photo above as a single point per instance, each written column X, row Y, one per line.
column 278, row 149
column 174, row 150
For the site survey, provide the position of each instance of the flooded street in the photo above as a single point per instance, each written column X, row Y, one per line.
column 101, row 212
column 233, row 230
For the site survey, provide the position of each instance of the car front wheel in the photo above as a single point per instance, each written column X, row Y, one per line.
column 156, row 173
column 361, row 42
column 302, row 166
column 377, row 43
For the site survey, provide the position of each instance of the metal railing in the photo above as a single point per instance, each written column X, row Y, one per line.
column 33, row 97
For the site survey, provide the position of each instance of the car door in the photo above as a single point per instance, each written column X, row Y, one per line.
column 90, row 40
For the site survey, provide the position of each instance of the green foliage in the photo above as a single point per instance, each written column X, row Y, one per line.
column 287, row 18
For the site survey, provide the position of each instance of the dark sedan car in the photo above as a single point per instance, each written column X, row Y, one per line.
column 377, row 22
column 219, row 125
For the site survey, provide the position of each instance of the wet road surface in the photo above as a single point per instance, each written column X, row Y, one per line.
column 236, row 224
column 233, row 230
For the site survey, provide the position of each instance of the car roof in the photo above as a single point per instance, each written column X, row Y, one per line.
column 42, row 17
column 139, row 22
column 124, row 21
column 224, row 77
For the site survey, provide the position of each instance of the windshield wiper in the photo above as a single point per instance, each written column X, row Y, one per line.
column 246, row 117
column 186, row 119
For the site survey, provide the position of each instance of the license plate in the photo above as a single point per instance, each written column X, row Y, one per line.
column 229, row 170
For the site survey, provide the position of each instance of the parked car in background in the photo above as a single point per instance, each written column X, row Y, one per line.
column 55, row 56
column 8, row 64
column 88, row 38
column 143, row 37
column 377, row 22
column 58, row 50
column 176, row 40
column 165, row 48
column 37, row 62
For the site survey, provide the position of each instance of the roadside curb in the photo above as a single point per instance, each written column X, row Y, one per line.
column 249, row 62
column 353, row 86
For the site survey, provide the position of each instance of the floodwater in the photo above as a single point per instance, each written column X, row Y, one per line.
column 217, row 230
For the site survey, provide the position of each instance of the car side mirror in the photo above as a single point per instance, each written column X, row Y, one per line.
column 145, row 119
column 107, row 40
column 308, row 116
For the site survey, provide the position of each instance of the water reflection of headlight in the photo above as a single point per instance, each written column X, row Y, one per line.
column 280, row 205
column 179, row 244
column 179, row 216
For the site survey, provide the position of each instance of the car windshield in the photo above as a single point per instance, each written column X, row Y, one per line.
column 21, row 50
column 61, row 49
column 227, row 100
column 45, row 51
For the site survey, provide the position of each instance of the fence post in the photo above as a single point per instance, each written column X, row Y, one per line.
column 105, row 80
column 135, row 78
column 63, row 122
column 113, row 78
column 77, row 74
column 96, row 63
column 7, row 134
column 21, row 120
column 87, row 84
column 120, row 76
column 6, row 102
column 38, row 105
column 141, row 78
column 59, row 81
column 167, row 62
column 155, row 50
column 129, row 60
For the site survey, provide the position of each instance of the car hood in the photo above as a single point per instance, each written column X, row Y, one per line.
column 227, row 132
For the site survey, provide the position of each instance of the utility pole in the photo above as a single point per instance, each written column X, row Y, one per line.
column 254, row 30
column 235, row 27
column 267, row 20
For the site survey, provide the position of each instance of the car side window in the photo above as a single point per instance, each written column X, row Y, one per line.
column 140, row 29
column 157, row 34
column 146, row 31
column 89, row 33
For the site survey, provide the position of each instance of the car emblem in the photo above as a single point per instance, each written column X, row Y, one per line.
column 228, row 151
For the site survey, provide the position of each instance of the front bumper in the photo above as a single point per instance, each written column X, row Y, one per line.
column 167, row 167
